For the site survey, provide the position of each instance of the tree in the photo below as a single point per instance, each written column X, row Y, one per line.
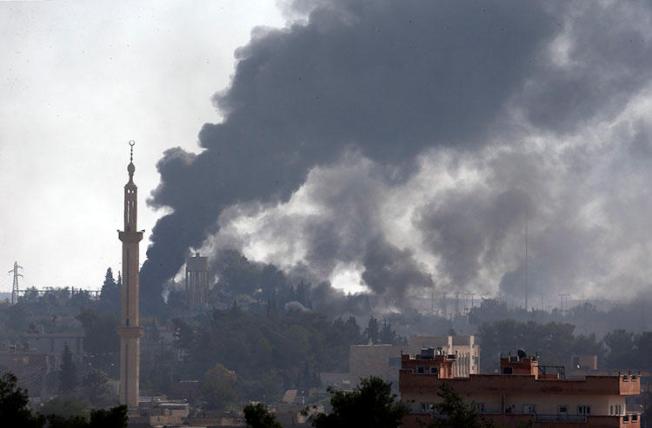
column 66, row 408
column 453, row 412
column 621, row 346
column 13, row 405
column 96, row 388
column 259, row 416
column 218, row 387
column 372, row 331
column 67, row 373
column 371, row 404
column 101, row 340
column 110, row 292
column 15, row 413
column 387, row 335
column 115, row 417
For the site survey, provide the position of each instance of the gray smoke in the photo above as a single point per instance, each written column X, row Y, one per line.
column 508, row 90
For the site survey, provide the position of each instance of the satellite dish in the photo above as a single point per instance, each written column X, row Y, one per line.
column 521, row 353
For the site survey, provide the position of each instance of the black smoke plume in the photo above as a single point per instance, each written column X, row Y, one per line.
column 389, row 80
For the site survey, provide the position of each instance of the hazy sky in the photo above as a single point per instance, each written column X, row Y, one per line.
column 79, row 79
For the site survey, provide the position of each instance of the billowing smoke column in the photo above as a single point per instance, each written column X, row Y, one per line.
column 387, row 80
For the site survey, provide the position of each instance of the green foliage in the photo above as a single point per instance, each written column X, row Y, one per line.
column 218, row 387
column 55, row 421
column 95, row 388
column 554, row 342
column 259, row 416
column 626, row 350
column 115, row 417
column 64, row 408
column 13, row 405
column 109, row 293
column 67, row 373
column 371, row 404
column 372, row 332
column 387, row 335
column 268, row 353
column 101, row 341
column 621, row 345
column 453, row 412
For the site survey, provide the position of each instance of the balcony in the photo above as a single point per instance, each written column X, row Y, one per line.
column 561, row 418
column 416, row 420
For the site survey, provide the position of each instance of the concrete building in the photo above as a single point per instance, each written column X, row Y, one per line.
column 30, row 367
column 162, row 412
column 465, row 349
column 51, row 344
column 524, row 392
column 129, row 330
column 384, row 361
column 197, row 280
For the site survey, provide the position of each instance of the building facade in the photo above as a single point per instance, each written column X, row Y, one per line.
column 524, row 392
column 384, row 361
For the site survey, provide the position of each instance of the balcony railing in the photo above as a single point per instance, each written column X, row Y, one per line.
column 561, row 418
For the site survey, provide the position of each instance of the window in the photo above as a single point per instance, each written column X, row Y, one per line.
column 507, row 370
column 529, row 409
column 563, row 409
column 583, row 409
column 421, row 370
column 433, row 370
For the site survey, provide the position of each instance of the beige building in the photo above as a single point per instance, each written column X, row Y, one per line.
column 162, row 412
column 384, row 361
column 523, row 394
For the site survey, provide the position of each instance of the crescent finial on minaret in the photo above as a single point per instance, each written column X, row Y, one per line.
column 131, row 168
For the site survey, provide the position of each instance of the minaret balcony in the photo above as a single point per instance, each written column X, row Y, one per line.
column 130, row 331
column 130, row 237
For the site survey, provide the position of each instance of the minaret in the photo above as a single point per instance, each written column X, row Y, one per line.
column 129, row 329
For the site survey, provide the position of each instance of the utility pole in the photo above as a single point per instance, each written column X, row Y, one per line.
column 14, row 288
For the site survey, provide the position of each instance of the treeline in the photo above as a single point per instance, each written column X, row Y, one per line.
column 245, row 355
column 586, row 317
column 15, row 412
column 557, row 342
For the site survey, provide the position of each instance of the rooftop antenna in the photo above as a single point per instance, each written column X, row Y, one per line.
column 15, row 289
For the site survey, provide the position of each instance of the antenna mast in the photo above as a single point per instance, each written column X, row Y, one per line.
column 15, row 289
column 526, row 266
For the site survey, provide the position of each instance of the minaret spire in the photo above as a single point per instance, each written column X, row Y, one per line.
column 130, row 330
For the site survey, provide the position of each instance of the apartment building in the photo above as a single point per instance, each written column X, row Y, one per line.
column 523, row 392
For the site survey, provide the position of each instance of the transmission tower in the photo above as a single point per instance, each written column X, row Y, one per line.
column 14, row 288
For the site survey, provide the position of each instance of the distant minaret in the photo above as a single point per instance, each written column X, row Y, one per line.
column 130, row 330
